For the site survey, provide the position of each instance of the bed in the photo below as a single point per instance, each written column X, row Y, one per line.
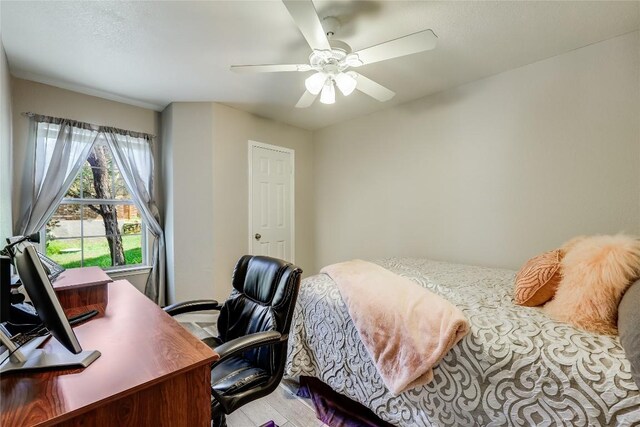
column 516, row 366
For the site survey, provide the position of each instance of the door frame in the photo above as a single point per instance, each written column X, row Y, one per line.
column 292, row 195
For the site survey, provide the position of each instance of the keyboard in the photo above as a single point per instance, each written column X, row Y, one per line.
column 20, row 339
column 53, row 269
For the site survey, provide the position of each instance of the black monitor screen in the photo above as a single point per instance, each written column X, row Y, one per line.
column 35, row 280
column 5, row 287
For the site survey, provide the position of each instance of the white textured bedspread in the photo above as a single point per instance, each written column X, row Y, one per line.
column 516, row 366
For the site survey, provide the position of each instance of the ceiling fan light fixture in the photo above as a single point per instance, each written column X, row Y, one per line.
column 353, row 60
column 315, row 82
column 346, row 83
column 328, row 95
column 330, row 59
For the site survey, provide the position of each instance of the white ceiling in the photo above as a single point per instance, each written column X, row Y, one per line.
column 154, row 53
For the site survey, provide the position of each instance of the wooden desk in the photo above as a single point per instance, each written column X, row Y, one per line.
column 152, row 372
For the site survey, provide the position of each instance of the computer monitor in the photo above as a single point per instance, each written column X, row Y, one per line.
column 36, row 283
column 34, row 279
column 5, row 287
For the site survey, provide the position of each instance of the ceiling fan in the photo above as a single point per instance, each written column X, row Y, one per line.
column 332, row 59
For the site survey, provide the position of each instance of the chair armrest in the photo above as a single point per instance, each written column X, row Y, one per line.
column 248, row 342
column 189, row 306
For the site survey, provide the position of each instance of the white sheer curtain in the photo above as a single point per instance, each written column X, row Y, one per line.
column 61, row 148
column 134, row 158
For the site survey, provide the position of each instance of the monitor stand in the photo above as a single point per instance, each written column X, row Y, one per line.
column 29, row 357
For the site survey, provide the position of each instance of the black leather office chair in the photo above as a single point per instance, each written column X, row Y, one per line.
column 253, row 329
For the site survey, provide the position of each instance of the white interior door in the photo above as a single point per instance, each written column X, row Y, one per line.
column 271, row 189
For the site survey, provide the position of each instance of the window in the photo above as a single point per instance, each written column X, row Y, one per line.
column 97, row 223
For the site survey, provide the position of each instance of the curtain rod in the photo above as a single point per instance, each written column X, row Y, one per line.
column 93, row 125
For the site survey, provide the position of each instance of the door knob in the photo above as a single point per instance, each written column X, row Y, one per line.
column 257, row 236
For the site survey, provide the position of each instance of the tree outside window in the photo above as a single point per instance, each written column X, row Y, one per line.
column 97, row 223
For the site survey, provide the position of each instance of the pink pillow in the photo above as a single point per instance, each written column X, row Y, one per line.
column 595, row 273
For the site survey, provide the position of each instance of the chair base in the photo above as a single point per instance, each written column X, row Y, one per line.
column 218, row 419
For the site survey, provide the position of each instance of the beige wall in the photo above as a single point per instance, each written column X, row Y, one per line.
column 188, row 180
column 28, row 96
column 232, row 129
column 5, row 148
column 491, row 172
column 206, row 179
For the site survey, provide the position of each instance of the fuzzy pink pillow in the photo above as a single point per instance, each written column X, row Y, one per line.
column 595, row 273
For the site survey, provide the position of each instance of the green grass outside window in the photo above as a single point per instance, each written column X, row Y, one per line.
column 96, row 251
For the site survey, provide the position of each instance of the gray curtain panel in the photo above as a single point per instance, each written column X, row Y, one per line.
column 135, row 160
column 61, row 148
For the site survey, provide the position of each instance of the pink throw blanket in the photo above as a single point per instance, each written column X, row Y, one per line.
column 406, row 328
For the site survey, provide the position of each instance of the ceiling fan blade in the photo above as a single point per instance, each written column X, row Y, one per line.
column 270, row 68
column 306, row 17
column 373, row 89
column 306, row 100
column 407, row 45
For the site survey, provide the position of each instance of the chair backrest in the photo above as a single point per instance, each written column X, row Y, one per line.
column 263, row 298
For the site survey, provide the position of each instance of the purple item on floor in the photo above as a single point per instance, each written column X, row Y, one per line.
column 269, row 424
column 335, row 409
